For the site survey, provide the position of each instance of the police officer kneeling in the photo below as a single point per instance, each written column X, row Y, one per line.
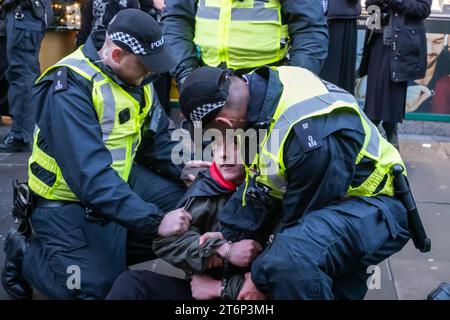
column 94, row 108
column 328, row 164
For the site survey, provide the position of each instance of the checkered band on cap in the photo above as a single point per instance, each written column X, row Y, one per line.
column 198, row 113
column 130, row 41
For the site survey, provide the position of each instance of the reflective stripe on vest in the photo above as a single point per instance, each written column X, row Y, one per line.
column 109, row 110
column 83, row 67
column 317, row 105
column 269, row 163
column 257, row 13
column 121, row 139
column 242, row 34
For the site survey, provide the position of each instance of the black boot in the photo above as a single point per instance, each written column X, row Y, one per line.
column 12, row 277
column 11, row 144
column 391, row 133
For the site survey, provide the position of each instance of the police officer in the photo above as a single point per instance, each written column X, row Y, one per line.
column 328, row 164
column 340, row 65
column 26, row 22
column 96, row 108
column 244, row 34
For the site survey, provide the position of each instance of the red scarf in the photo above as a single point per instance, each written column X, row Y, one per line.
column 218, row 177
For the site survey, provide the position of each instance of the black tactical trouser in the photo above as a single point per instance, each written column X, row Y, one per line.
column 148, row 285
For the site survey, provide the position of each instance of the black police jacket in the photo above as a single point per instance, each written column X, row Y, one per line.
column 408, row 43
column 343, row 9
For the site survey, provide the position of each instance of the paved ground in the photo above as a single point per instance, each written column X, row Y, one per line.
column 407, row 275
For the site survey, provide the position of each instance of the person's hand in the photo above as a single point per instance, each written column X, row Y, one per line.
column 209, row 235
column 213, row 261
column 415, row 95
column 191, row 169
column 361, row 88
column 174, row 223
column 242, row 253
column 249, row 290
column 205, row 288
column 159, row 4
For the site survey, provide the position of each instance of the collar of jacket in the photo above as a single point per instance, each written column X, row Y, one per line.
column 263, row 82
column 220, row 179
column 205, row 186
column 90, row 49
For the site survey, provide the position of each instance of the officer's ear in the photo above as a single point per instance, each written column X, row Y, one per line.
column 223, row 122
column 116, row 55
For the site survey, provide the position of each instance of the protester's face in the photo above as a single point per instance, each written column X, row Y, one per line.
column 130, row 69
column 435, row 45
column 226, row 156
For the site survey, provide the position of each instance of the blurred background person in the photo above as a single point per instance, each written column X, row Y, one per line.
column 393, row 55
column 339, row 67
column 26, row 22
column 3, row 67
column 96, row 14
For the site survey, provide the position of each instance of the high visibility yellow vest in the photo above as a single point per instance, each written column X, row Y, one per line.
column 306, row 96
column 243, row 34
column 122, row 140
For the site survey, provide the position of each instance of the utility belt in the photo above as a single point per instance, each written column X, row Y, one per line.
column 241, row 72
column 25, row 201
column 40, row 202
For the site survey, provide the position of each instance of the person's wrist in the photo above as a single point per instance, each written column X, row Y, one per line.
column 228, row 251
column 224, row 282
column 221, row 250
column 157, row 221
column 217, row 288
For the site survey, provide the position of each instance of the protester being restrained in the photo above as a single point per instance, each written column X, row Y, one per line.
column 217, row 268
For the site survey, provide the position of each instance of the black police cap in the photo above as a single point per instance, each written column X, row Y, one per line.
column 204, row 93
column 137, row 32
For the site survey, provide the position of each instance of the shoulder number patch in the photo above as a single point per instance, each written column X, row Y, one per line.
column 60, row 79
column 308, row 135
